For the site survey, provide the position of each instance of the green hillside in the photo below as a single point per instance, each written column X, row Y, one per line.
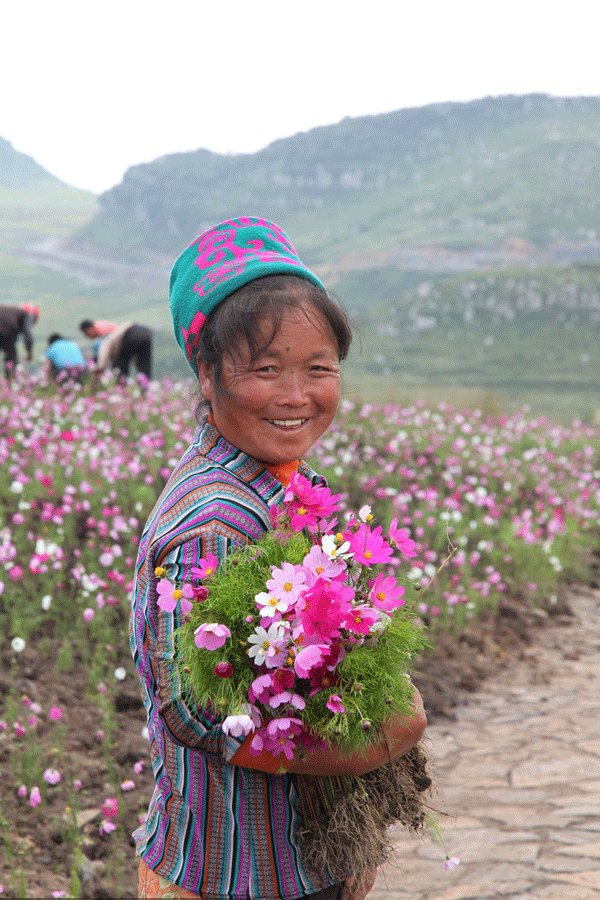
column 463, row 237
column 459, row 175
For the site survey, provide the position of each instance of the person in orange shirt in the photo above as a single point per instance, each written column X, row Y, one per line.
column 98, row 329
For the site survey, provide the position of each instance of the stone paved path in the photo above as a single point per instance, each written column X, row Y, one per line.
column 518, row 773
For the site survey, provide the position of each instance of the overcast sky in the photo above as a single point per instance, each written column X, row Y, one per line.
column 89, row 89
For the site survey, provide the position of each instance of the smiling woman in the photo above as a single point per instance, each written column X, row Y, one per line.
column 265, row 340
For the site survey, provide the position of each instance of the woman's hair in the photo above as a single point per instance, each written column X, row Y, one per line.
column 238, row 320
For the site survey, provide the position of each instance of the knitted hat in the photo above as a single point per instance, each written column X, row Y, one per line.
column 220, row 261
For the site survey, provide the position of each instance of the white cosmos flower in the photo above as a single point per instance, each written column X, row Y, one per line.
column 18, row 644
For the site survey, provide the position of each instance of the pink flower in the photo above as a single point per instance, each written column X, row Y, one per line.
column 56, row 713
column 35, row 798
column 309, row 658
column 451, row 862
column 127, row 785
column 77, row 784
column 327, row 605
column 110, row 807
column 138, row 766
column 169, row 595
column 320, row 564
column 286, row 582
column 285, row 698
column 207, row 567
column 335, row 704
column 20, row 730
column 22, row 791
column 106, row 826
column 386, row 593
column 52, row 776
column 238, row 725
column 360, row 619
column 211, row 635
column 400, row 538
column 308, row 503
column 88, row 614
column 368, row 545
column 223, row 670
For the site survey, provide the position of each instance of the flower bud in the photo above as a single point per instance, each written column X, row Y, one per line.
column 224, row 670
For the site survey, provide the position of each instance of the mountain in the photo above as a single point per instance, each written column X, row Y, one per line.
column 392, row 189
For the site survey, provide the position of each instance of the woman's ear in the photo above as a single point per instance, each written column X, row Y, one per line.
column 205, row 378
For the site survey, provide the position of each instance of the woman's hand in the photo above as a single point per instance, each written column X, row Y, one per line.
column 352, row 891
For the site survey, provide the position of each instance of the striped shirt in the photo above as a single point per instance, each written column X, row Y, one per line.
column 219, row 830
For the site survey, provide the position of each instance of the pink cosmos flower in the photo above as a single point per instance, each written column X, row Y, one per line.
column 128, row 784
column 320, row 565
column 238, row 725
column 400, row 538
column 307, row 504
column 106, row 826
column 22, row 791
column 211, row 635
column 52, row 776
column 223, row 669
column 169, row 595
column 110, row 807
column 287, row 697
column 327, row 605
column 56, row 713
column 451, row 862
column 335, row 704
column 386, row 593
column 35, row 798
column 138, row 766
column 287, row 582
column 309, row 658
column 368, row 545
column 207, row 567
column 360, row 619
column 88, row 614
column 260, row 689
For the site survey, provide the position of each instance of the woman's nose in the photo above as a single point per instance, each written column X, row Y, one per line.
column 293, row 389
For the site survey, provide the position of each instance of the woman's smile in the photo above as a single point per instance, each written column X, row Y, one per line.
column 276, row 406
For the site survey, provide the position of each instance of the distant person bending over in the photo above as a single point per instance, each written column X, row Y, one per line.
column 98, row 329
column 15, row 322
column 64, row 359
column 128, row 343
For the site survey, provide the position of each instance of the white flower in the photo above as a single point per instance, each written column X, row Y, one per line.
column 46, row 602
column 238, row 725
column 18, row 644
column 364, row 513
column 335, row 550
column 120, row 673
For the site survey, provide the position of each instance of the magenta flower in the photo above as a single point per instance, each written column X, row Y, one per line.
column 207, row 567
column 327, row 605
column 35, row 798
column 386, row 593
column 261, row 688
column 22, row 791
column 223, row 670
column 110, row 807
column 368, row 546
column 335, row 704
column 308, row 504
column 56, row 713
column 400, row 538
column 211, row 635
column 361, row 619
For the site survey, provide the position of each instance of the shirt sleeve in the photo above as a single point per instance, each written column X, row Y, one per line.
column 186, row 723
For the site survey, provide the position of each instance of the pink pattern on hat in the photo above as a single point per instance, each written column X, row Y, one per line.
column 219, row 251
column 191, row 335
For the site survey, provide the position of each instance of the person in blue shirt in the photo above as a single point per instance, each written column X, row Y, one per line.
column 64, row 359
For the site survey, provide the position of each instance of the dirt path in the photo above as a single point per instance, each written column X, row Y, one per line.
column 518, row 773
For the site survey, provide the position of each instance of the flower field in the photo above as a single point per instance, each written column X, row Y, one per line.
column 499, row 509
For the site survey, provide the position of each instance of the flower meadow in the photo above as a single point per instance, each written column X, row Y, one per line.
column 497, row 508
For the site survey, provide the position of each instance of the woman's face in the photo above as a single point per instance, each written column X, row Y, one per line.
column 276, row 407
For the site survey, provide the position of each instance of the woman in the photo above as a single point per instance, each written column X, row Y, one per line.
column 265, row 341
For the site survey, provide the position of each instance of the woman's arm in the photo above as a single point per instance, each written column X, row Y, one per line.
column 398, row 736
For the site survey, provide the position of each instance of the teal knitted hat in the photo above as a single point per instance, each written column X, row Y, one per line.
column 220, row 261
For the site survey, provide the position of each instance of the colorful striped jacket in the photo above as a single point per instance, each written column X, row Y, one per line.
column 219, row 830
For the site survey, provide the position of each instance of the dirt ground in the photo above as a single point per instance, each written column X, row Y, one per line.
column 36, row 851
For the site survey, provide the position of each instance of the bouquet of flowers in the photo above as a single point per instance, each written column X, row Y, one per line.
column 303, row 639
